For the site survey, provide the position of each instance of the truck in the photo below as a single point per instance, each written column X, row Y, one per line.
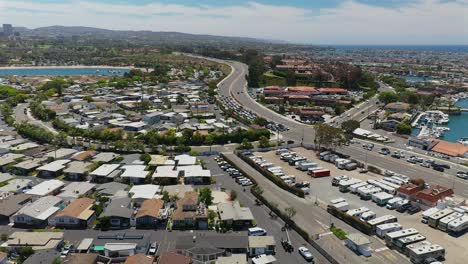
column 427, row 213
column 320, row 173
column 337, row 179
column 381, row 198
column 384, row 219
column 341, row 164
column 369, row 215
column 383, row 229
column 304, row 166
column 402, row 205
column 342, row 206
column 391, row 203
column 357, row 212
column 444, row 222
column 458, row 226
column 345, row 184
column 353, row 188
column 367, row 193
column 351, row 166
column 434, row 219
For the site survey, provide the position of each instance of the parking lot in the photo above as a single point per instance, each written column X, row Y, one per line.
column 322, row 190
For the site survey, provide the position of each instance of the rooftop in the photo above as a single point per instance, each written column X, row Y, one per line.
column 42, row 208
column 150, row 207
column 38, row 240
column 146, row 191
column 79, row 208
column 134, row 171
column 54, row 166
column 261, row 241
column 46, row 187
column 233, row 211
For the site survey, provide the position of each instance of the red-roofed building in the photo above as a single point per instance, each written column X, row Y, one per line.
column 333, row 91
column 274, row 92
column 430, row 196
column 273, row 100
column 408, row 191
column 296, row 99
column 449, row 148
column 305, row 90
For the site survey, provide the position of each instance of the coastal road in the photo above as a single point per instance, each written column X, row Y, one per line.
column 235, row 86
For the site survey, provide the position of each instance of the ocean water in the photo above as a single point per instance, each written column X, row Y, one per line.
column 64, row 71
column 433, row 48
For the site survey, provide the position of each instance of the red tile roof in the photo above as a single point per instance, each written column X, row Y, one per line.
column 434, row 193
column 332, row 90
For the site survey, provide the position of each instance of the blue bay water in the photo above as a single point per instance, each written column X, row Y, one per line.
column 458, row 124
column 64, row 71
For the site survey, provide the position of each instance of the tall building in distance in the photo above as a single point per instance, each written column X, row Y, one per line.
column 7, row 30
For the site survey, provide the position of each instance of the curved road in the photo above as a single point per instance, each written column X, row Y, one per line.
column 235, row 86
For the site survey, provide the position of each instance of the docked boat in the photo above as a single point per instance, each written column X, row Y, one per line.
column 463, row 140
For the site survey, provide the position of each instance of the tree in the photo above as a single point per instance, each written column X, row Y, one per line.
column 263, row 142
column 233, row 195
column 403, row 129
column 57, row 260
column 4, row 237
column 25, row 253
column 350, row 125
column 290, row 212
column 246, row 144
column 205, row 196
column 165, row 196
column 146, row 158
column 388, row 97
column 328, row 136
column 260, row 121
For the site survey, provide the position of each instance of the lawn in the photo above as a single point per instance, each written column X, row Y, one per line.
column 338, row 232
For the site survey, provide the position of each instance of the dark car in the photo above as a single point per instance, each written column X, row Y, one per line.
column 403, row 208
column 413, row 209
column 445, row 166
column 439, row 168
column 288, row 247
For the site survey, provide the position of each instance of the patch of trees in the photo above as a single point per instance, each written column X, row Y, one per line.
column 35, row 132
column 328, row 136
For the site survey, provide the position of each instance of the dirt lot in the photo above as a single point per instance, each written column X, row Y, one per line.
column 322, row 190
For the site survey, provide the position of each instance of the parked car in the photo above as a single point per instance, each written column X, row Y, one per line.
column 306, row 253
column 462, row 175
column 425, row 164
column 413, row 209
column 288, row 247
column 438, row 168
column 66, row 250
column 384, row 151
column 153, row 248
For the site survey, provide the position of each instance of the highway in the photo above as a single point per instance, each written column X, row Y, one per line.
column 235, row 86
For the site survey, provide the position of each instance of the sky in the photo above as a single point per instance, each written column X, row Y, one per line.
column 335, row 22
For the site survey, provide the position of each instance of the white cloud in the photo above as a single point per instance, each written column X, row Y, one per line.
column 420, row 22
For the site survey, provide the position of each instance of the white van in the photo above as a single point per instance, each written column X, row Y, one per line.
column 257, row 231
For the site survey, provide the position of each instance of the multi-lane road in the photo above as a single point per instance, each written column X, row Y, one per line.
column 235, row 87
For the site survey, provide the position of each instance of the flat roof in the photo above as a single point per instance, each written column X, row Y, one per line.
column 15, row 185
column 78, row 167
column 46, row 187
column 233, row 211
column 185, row 159
column 358, row 239
column 85, row 244
column 75, row 189
column 28, row 164
column 38, row 240
column 105, row 157
column 54, row 166
column 145, row 191
column 105, row 169
column 166, row 172
column 261, row 241
column 42, row 208
column 134, row 171
column 60, row 153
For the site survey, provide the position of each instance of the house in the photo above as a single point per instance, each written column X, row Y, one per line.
column 397, row 107
column 232, row 214
column 44, row 188
column 120, row 246
column 11, row 204
column 83, row 155
column 36, row 214
column 77, row 170
column 148, row 214
column 77, row 189
column 195, row 174
column 140, row 193
column 173, row 257
column 81, row 258
column 166, row 175
column 261, row 245
column 110, row 189
column 105, row 173
column 135, row 174
column 78, row 214
column 408, row 191
column 207, row 248
column 36, row 240
column 389, row 124
column 53, row 169
column 157, row 160
column 185, row 160
column 62, row 153
column 119, row 212
column 190, row 213
column 105, row 157
column 135, row 126
column 42, row 256
column 26, row 167
column 9, row 159
column 16, row 186
column 139, row 258
column 153, row 117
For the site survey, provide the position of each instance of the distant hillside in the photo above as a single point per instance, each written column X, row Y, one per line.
column 163, row 37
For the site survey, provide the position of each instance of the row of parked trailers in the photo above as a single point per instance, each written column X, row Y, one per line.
column 302, row 164
column 449, row 220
